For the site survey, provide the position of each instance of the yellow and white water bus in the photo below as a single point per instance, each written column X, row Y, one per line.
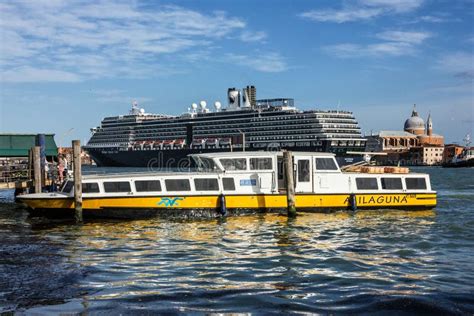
column 242, row 180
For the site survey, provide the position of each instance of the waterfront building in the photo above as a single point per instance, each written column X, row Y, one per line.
column 18, row 145
column 451, row 151
column 15, row 153
column 415, row 145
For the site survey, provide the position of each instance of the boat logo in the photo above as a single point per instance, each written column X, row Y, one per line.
column 167, row 201
column 380, row 199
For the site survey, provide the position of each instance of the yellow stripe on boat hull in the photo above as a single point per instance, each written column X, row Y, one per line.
column 308, row 201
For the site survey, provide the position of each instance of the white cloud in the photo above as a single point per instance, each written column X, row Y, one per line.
column 460, row 64
column 396, row 43
column 71, row 41
column 390, row 49
column 395, row 5
column 432, row 19
column 404, row 37
column 341, row 16
column 32, row 74
column 268, row 62
column 376, row 50
column 116, row 96
column 248, row 36
column 362, row 10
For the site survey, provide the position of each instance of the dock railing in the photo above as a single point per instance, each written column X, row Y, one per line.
column 18, row 173
column 13, row 170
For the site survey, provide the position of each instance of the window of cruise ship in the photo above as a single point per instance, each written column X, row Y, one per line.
column 261, row 163
column 92, row 187
column 367, row 184
column 325, row 164
column 177, row 185
column 415, row 183
column 148, row 186
column 115, row 187
column 210, row 184
column 391, row 183
column 234, row 164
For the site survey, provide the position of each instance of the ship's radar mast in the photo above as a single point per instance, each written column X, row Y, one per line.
column 467, row 140
column 135, row 109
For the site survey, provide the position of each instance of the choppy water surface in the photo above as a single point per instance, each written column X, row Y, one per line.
column 368, row 262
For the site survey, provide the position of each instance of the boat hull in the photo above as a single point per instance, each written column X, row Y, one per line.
column 152, row 205
column 460, row 164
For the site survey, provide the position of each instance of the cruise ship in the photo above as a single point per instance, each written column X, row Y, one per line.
column 141, row 139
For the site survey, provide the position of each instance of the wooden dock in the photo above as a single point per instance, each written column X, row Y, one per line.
column 18, row 173
column 16, row 185
column 15, row 173
column 33, row 175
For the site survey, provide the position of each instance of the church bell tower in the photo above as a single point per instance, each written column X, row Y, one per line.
column 429, row 125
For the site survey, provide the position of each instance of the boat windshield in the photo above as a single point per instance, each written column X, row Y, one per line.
column 234, row 163
column 67, row 187
column 205, row 164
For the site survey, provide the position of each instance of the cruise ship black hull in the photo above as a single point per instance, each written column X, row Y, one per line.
column 178, row 158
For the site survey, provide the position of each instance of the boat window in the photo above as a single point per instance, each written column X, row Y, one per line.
column 68, row 187
column 234, row 164
column 206, row 184
column 415, row 183
column 177, row 185
column 261, row 163
column 391, row 183
column 115, row 187
column 148, row 186
column 303, row 170
column 367, row 184
column 92, row 187
column 229, row 184
column 325, row 164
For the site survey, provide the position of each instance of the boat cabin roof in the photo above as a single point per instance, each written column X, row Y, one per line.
column 94, row 176
column 246, row 154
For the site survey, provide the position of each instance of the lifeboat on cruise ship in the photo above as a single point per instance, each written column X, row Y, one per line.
column 147, row 145
column 225, row 142
column 212, row 142
column 157, row 144
column 138, row 145
column 198, row 143
column 179, row 143
column 168, row 144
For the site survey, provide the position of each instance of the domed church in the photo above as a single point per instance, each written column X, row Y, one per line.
column 415, row 124
column 415, row 145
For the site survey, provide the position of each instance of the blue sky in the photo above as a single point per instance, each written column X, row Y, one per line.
column 68, row 64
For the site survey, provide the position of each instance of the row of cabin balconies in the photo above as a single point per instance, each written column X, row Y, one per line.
column 181, row 143
column 168, row 126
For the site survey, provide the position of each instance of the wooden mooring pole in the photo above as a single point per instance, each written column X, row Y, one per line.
column 37, row 168
column 290, row 185
column 76, row 150
column 30, row 163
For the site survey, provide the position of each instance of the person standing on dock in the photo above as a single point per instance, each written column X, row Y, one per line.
column 61, row 164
